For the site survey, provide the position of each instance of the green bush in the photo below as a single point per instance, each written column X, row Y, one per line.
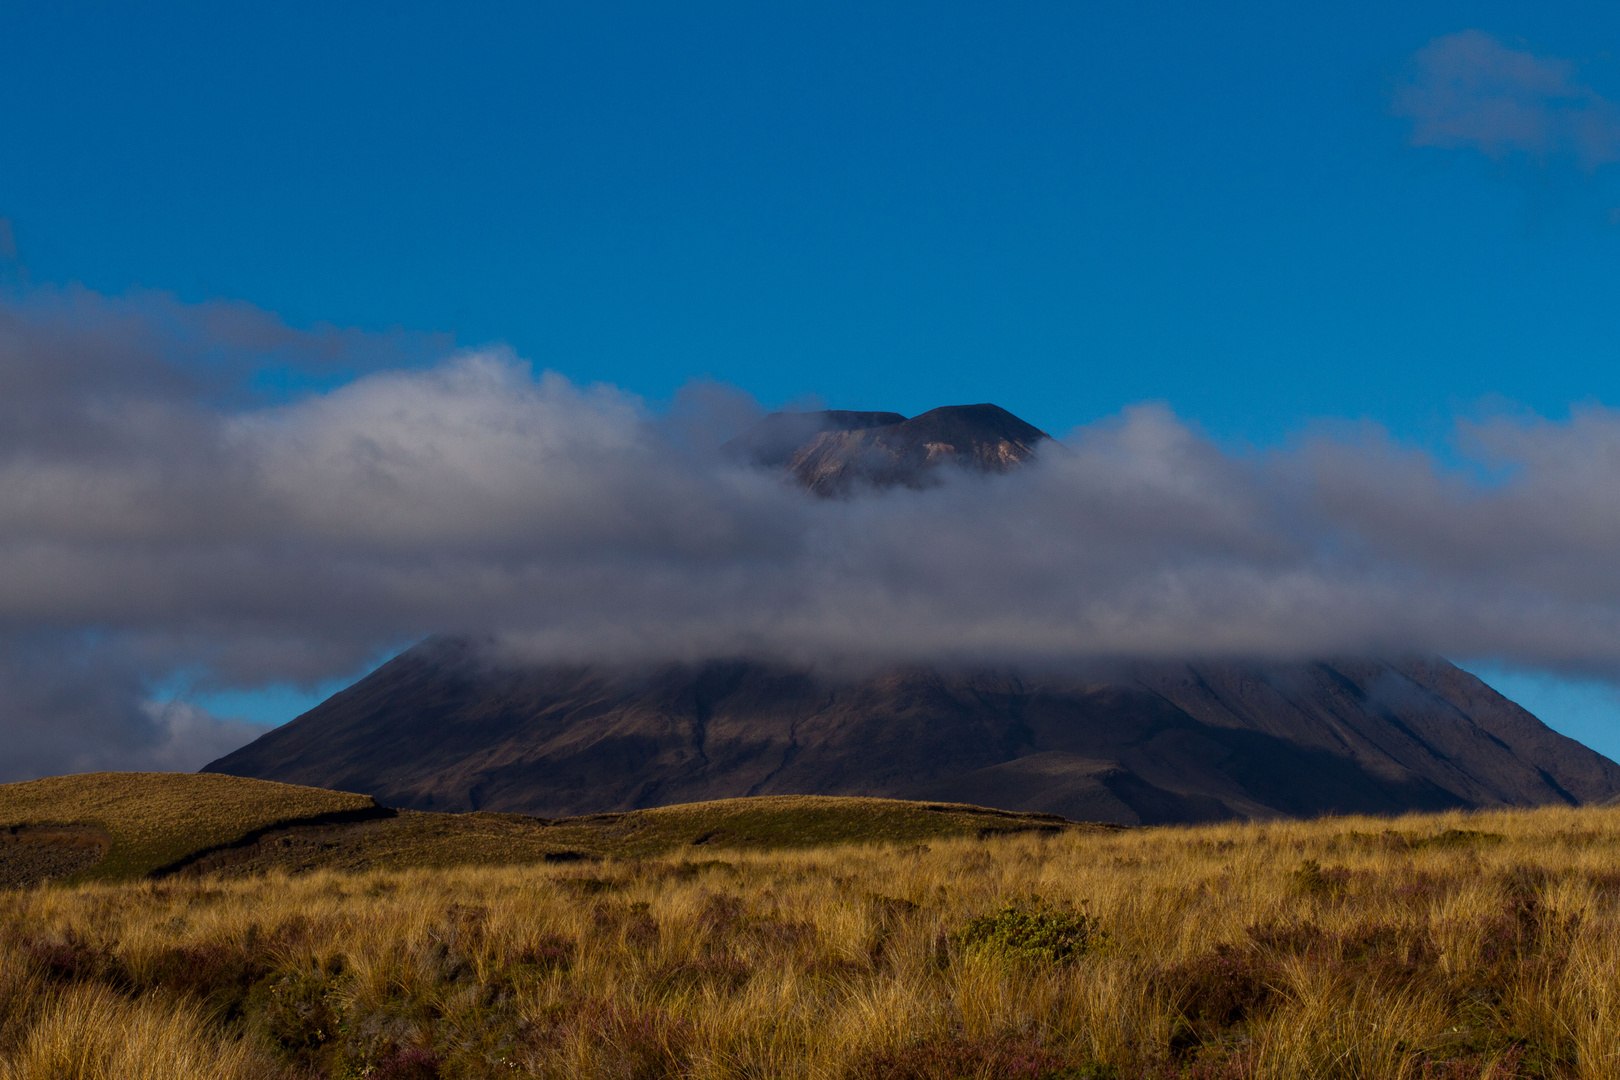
column 1311, row 880
column 1033, row 932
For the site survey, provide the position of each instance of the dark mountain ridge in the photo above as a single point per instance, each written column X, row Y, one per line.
column 439, row 728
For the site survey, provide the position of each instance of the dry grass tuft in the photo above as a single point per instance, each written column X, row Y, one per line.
column 90, row 1032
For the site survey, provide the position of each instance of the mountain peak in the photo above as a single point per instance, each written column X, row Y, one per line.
column 832, row 452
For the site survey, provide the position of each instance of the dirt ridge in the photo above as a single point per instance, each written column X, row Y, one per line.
column 376, row 812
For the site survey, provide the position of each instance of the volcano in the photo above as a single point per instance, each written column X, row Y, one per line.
column 449, row 725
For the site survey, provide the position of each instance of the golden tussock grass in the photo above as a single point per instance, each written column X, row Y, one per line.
column 95, row 1033
column 1444, row 947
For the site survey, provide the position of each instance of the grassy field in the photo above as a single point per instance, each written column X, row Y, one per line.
column 1449, row 947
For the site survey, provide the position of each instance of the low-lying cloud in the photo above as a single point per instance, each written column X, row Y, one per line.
column 155, row 518
column 1468, row 90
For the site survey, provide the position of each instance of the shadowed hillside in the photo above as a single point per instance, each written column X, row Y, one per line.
column 438, row 728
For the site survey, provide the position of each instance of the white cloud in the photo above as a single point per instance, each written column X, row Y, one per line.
column 1468, row 90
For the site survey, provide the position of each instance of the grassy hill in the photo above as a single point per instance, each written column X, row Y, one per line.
column 791, row 821
column 121, row 826
column 143, row 822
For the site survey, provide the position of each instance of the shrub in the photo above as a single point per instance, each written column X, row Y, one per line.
column 71, row 959
column 1008, row 1057
column 890, row 907
column 1311, row 880
column 588, row 886
column 215, row 973
column 546, row 952
column 408, row 1065
column 1476, row 1067
column 625, row 1040
column 1034, row 932
column 685, row 871
column 781, row 935
column 1295, row 938
column 1210, row 1063
column 1462, row 838
column 301, row 1013
column 1219, row 988
column 723, row 973
column 634, row 921
column 721, row 913
column 1389, row 951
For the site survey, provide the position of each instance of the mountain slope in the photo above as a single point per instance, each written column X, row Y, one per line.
column 438, row 728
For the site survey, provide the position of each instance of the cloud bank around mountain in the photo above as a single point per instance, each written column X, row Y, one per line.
column 161, row 514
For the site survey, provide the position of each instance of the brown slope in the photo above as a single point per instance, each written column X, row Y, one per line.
column 437, row 729
column 775, row 439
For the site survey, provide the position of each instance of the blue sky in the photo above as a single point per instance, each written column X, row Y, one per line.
column 1062, row 208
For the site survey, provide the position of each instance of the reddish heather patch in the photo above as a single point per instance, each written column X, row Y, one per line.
column 1007, row 1057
